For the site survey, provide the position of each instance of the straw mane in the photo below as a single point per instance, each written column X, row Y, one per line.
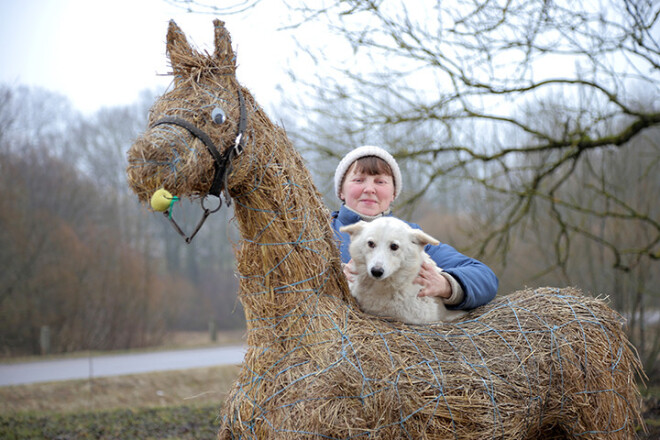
column 545, row 363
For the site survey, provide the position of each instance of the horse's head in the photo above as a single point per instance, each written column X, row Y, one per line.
column 195, row 128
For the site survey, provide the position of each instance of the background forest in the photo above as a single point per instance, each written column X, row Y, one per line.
column 549, row 180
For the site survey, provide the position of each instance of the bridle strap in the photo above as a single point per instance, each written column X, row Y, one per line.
column 222, row 161
column 242, row 122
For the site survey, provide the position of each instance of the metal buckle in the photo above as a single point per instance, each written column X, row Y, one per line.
column 206, row 213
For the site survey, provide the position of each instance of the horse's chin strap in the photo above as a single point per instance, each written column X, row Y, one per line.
column 222, row 161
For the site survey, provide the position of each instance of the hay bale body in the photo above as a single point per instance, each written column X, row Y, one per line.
column 546, row 363
column 536, row 364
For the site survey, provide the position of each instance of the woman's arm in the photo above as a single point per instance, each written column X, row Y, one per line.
column 478, row 282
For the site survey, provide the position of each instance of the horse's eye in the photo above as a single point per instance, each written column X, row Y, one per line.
column 394, row 246
column 218, row 115
column 371, row 244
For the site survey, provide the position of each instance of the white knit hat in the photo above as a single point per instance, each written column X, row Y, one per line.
column 365, row 151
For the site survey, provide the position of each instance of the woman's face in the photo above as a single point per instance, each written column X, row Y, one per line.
column 367, row 194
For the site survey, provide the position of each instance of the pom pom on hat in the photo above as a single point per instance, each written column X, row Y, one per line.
column 365, row 151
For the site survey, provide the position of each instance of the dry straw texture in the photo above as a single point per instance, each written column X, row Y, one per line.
column 168, row 155
column 546, row 363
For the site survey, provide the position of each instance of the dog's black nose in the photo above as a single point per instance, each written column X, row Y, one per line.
column 377, row 272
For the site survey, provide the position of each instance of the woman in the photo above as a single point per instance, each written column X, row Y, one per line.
column 368, row 180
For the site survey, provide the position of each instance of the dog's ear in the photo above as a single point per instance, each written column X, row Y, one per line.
column 353, row 229
column 422, row 238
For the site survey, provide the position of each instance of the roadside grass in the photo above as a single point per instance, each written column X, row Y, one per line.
column 195, row 387
column 164, row 405
column 182, row 422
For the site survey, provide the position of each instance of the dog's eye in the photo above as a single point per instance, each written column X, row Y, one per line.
column 371, row 244
column 394, row 246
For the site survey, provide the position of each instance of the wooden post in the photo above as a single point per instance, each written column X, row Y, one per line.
column 213, row 331
column 44, row 339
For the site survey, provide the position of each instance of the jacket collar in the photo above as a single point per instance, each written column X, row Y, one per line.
column 348, row 216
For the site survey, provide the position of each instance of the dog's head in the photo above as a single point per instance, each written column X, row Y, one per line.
column 385, row 245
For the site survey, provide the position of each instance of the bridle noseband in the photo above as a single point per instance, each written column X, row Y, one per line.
column 222, row 162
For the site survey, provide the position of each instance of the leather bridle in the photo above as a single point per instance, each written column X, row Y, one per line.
column 222, row 162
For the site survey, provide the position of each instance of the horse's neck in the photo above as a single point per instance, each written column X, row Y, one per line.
column 288, row 262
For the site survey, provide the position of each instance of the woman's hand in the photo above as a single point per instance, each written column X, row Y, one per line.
column 349, row 271
column 433, row 284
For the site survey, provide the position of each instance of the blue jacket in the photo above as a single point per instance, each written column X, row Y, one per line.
column 478, row 281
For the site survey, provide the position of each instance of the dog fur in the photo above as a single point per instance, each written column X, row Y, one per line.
column 387, row 255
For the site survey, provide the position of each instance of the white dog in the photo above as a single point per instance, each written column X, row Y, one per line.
column 387, row 255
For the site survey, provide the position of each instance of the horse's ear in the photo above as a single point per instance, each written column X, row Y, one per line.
column 223, row 49
column 178, row 50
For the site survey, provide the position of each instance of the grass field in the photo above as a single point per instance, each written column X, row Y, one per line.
column 166, row 405
column 196, row 387
column 182, row 422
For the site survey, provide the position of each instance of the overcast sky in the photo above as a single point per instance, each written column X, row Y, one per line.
column 103, row 53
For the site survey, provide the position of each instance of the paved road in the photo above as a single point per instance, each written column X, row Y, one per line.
column 117, row 365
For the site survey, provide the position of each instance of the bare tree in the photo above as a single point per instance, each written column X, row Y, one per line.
column 67, row 260
column 211, row 7
column 466, row 73
column 469, row 72
column 508, row 96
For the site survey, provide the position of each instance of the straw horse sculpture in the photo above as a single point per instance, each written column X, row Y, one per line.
column 545, row 363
